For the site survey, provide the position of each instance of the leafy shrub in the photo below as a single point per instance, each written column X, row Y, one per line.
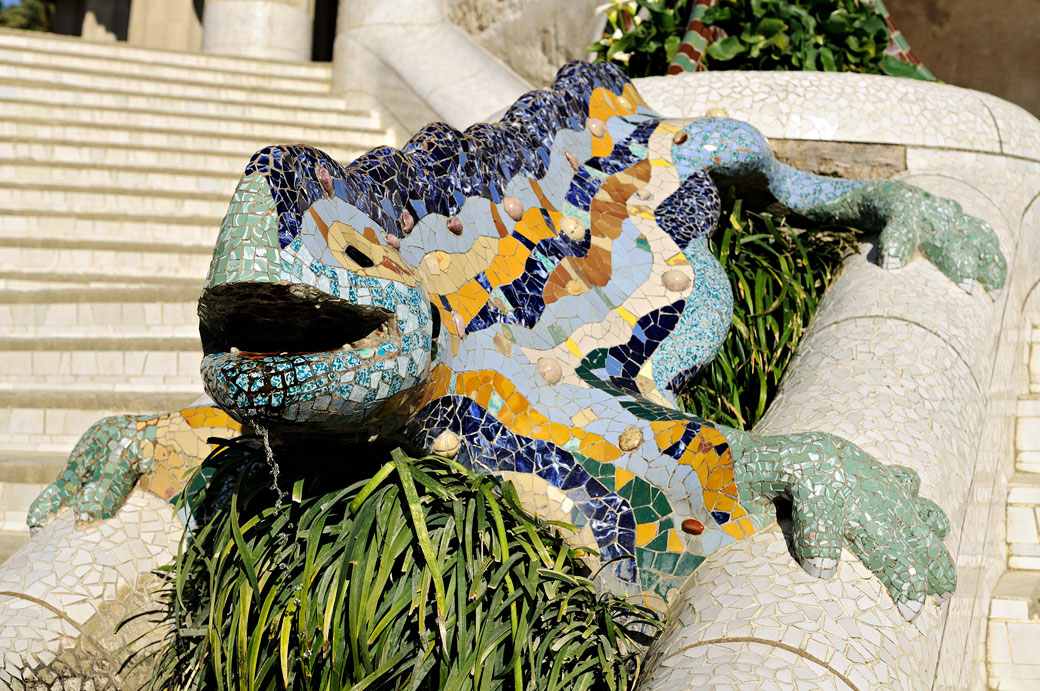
column 831, row 35
column 425, row 576
column 778, row 275
column 828, row 35
column 31, row 15
column 642, row 42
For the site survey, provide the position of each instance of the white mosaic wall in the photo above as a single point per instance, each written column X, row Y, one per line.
column 61, row 594
column 904, row 364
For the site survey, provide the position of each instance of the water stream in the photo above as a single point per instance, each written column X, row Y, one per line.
column 283, row 537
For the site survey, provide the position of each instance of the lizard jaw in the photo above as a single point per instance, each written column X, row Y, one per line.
column 289, row 357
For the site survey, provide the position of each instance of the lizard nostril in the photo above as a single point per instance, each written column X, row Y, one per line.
column 359, row 257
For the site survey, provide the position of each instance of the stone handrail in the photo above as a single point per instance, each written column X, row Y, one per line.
column 445, row 75
column 904, row 364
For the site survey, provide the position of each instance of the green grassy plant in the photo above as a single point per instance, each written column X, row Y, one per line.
column 425, row 576
column 778, row 275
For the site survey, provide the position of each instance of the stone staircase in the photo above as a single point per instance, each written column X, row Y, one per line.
column 116, row 166
column 1013, row 640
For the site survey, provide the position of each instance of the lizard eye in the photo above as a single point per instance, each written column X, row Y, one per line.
column 359, row 257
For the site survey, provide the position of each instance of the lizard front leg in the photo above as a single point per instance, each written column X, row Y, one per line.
column 842, row 497
column 908, row 219
column 117, row 453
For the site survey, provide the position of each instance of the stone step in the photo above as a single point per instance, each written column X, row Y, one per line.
column 1013, row 635
column 22, row 393
column 1023, row 521
column 343, row 148
column 31, row 468
column 335, row 112
column 106, row 369
column 36, row 287
column 28, row 288
column 15, row 498
column 106, row 176
column 1027, row 435
column 286, row 131
column 89, row 66
column 131, row 319
column 1016, row 596
column 87, row 199
column 125, row 263
column 1028, row 462
column 55, row 44
column 57, row 77
column 50, row 423
column 40, row 288
column 232, row 160
column 70, row 230
column 109, row 343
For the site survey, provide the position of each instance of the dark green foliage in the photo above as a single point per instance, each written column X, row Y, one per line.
column 426, row 576
column 645, row 45
column 778, row 275
column 827, row 35
column 31, row 15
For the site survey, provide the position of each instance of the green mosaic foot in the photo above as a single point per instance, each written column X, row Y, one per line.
column 843, row 497
column 963, row 247
column 101, row 471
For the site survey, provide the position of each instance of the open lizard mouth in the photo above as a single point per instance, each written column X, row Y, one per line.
column 284, row 319
column 295, row 360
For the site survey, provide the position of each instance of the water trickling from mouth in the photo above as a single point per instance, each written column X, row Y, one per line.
column 273, row 465
column 281, row 538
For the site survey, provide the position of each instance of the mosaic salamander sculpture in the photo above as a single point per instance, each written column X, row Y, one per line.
column 529, row 297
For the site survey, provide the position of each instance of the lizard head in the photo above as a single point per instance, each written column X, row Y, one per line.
column 309, row 324
column 312, row 321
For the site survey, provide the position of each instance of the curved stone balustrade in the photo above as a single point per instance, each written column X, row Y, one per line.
column 444, row 76
column 904, row 364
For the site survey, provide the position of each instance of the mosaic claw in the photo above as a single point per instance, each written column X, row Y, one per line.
column 963, row 247
column 890, row 262
column 910, row 609
column 104, row 452
column 911, row 220
column 842, row 497
column 820, row 567
column 117, row 452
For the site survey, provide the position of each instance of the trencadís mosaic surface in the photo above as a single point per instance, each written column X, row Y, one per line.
column 529, row 297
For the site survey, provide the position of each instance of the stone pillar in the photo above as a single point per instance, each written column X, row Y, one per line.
column 166, row 24
column 105, row 20
column 265, row 29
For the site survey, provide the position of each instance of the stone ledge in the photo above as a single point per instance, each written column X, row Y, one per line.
column 804, row 105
